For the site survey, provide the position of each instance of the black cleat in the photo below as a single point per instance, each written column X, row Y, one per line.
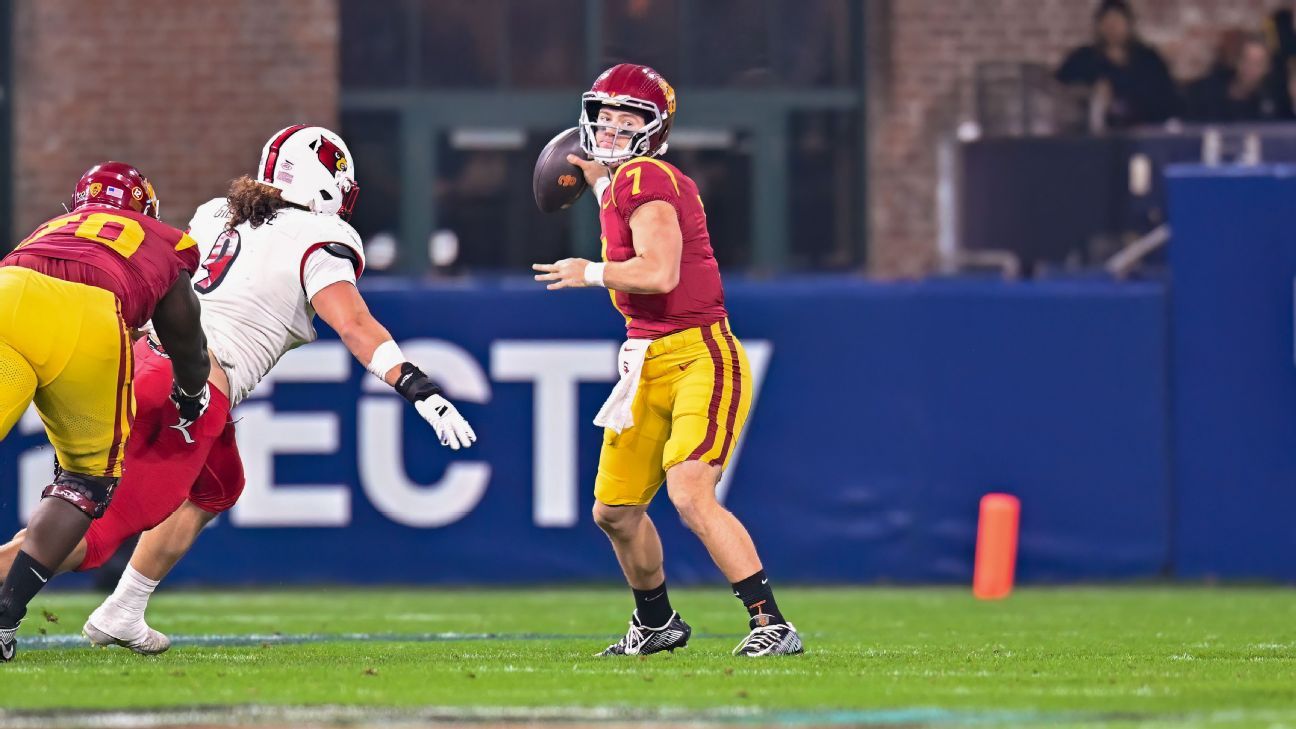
column 770, row 640
column 8, row 644
column 642, row 640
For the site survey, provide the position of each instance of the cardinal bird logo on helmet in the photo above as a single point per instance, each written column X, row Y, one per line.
column 332, row 157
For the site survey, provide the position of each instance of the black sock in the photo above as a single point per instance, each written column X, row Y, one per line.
column 26, row 578
column 758, row 597
column 653, row 606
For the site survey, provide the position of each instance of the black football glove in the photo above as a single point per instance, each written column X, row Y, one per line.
column 191, row 407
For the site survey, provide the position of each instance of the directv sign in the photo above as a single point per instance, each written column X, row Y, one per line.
column 880, row 416
column 553, row 369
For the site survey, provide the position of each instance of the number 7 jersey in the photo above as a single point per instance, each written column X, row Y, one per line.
column 133, row 255
column 698, row 299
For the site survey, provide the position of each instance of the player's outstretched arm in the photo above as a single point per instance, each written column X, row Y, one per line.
column 342, row 307
column 178, row 324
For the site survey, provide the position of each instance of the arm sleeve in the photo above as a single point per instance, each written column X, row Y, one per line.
column 1077, row 68
column 320, row 269
column 643, row 181
column 1167, row 91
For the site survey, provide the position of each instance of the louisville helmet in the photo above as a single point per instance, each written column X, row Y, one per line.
column 117, row 185
column 311, row 167
column 636, row 88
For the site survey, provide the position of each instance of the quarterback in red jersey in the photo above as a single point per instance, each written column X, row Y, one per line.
column 69, row 294
column 685, row 384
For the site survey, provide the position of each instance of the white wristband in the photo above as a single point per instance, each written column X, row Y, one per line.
column 600, row 186
column 594, row 274
column 386, row 356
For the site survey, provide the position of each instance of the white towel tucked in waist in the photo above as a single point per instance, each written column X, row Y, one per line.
column 617, row 412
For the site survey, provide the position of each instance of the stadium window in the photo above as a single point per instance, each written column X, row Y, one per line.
column 774, row 105
column 376, row 49
column 462, row 43
column 824, row 217
column 483, row 188
column 644, row 31
column 813, row 43
column 543, row 50
column 719, row 161
column 374, row 140
column 738, row 56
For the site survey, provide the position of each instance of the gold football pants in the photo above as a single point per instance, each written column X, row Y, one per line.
column 693, row 397
column 65, row 346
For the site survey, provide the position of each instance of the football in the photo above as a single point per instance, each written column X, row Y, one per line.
column 556, row 182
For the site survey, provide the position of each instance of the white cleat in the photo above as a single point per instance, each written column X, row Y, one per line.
column 780, row 639
column 106, row 627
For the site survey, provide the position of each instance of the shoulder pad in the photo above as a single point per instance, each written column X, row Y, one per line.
column 343, row 240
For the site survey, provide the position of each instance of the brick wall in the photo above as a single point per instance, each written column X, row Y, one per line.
column 922, row 57
column 188, row 91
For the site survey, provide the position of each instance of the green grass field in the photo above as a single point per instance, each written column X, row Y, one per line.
column 912, row 657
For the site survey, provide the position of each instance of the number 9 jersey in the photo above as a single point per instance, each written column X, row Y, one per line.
column 132, row 255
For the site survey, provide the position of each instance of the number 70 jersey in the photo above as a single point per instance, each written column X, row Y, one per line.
column 134, row 256
column 255, row 284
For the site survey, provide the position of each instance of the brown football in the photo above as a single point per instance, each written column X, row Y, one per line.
column 556, row 182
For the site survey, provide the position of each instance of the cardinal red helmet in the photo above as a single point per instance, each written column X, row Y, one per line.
column 631, row 87
column 117, row 185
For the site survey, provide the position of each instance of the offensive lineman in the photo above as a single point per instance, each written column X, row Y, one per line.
column 685, row 384
column 68, row 295
column 277, row 250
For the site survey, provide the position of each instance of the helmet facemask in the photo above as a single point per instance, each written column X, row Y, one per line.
column 152, row 207
column 350, row 193
column 640, row 140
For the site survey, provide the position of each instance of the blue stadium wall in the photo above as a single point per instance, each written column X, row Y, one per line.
column 1147, row 429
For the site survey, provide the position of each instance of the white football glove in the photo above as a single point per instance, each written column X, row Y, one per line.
column 450, row 426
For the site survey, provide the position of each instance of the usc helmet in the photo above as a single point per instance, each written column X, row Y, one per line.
column 311, row 167
column 116, row 185
column 637, row 88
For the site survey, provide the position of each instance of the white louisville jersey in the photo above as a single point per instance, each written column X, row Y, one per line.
column 255, row 284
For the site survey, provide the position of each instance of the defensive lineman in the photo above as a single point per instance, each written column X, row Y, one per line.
column 276, row 251
column 685, row 384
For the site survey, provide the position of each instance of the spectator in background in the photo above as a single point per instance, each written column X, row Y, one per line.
column 1125, row 80
column 1288, row 85
column 1239, row 87
column 1280, row 30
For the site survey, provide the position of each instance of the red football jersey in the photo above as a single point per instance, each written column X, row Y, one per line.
column 130, row 254
column 698, row 300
